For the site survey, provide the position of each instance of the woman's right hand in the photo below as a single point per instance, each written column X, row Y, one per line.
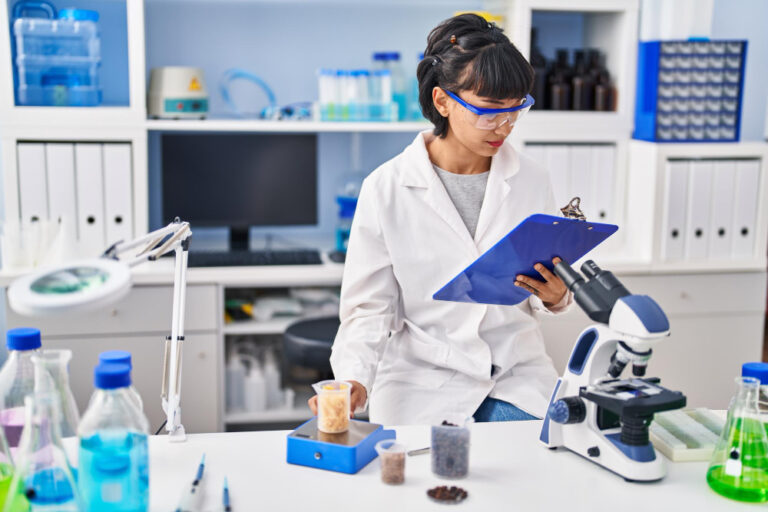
column 357, row 398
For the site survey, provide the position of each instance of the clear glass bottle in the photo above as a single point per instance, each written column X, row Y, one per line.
column 43, row 479
column 122, row 357
column 52, row 376
column 114, row 458
column 414, row 107
column 759, row 371
column 347, row 201
column 739, row 465
column 17, row 380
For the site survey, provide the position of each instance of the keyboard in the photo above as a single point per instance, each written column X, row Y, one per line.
column 253, row 258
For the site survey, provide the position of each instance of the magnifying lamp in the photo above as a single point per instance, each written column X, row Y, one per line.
column 92, row 284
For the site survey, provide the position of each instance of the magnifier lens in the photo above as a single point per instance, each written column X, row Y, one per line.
column 70, row 280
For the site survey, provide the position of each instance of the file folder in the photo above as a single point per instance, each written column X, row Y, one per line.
column 675, row 204
column 603, row 160
column 90, row 199
column 33, row 193
column 118, row 197
column 745, row 213
column 723, row 190
column 490, row 279
column 699, row 206
column 62, row 201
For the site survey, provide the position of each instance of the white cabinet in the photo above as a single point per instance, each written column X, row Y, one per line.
column 716, row 325
column 139, row 324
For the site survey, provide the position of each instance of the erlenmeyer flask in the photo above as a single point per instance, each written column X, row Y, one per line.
column 6, row 476
column 52, row 376
column 739, row 465
column 43, row 476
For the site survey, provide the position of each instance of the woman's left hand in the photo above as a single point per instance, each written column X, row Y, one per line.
column 551, row 291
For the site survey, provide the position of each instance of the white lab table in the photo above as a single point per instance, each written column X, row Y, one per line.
column 509, row 470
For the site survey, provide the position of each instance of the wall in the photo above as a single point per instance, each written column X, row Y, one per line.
column 746, row 19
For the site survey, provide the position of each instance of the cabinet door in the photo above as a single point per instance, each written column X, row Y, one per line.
column 200, row 374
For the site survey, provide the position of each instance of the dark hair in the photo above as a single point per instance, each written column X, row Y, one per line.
column 468, row 53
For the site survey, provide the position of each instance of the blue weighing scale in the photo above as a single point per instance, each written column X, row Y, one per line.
column 348, row 452
column 490, row 279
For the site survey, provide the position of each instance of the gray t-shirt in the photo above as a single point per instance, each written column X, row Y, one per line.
column 467, row 192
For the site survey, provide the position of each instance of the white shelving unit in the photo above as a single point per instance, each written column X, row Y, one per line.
column 258, row 126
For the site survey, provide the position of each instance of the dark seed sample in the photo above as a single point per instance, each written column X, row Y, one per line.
column 445, row 494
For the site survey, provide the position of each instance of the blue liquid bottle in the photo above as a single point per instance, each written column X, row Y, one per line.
column 114, row 457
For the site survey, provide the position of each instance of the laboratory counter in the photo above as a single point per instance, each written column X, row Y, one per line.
column 509, row 469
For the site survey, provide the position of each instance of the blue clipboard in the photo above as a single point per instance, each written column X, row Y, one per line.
column 490, row 279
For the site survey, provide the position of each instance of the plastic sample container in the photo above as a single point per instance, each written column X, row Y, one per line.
column 392, row 457
column 333, row 406
column 450, row 447
column 57, row 60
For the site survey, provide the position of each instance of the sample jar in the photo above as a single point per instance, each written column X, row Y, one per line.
column 450, row 447
column 392, row 456
column 333, row 406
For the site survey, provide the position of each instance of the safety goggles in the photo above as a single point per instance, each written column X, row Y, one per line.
column 492, row 118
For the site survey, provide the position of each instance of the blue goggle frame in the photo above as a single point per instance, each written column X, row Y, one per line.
column 528, row 103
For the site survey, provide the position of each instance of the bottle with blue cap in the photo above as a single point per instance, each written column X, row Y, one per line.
column 114, row 457
column 122, row 357
column 17, row 380
column 391, row 61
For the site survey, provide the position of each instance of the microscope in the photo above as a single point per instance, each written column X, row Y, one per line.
column 593, row 412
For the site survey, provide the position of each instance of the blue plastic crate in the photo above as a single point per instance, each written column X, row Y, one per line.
column 689, row 91
column 57, row 61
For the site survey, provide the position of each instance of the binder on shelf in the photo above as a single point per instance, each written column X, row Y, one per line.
column 62, row 201
column 721, row 209
column 582, row 179
column 33, row 191
column 675, row 204
column 604, row 162
column 745, row 208
column 558, row 165
column 118, row 192
column 697, row 228
column 90, row 199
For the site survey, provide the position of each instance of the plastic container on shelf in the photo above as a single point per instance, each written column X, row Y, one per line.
column 391, row 61
column 114, row 458
column 380, row 96
column 57, row 59
column 17, row 380
column 414, row 107
column 347, row 201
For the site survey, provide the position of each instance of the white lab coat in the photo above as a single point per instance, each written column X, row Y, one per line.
column 421, row 359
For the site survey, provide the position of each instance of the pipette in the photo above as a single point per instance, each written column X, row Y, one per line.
column 192, row 499
column 225, row 506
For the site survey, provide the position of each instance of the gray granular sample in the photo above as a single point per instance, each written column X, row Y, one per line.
column 392, row 468
column 450, row 451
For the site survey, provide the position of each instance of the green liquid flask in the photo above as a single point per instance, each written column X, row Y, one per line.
column 739, row 465
column 8, row 502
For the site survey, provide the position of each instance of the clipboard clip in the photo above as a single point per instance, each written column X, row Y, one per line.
column 572, row 210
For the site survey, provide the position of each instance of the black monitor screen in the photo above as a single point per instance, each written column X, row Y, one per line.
column 240, row 179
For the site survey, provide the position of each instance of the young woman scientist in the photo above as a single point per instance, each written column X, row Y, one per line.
column 425, row 215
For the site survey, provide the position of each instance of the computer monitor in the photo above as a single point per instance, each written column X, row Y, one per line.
column 240, row 180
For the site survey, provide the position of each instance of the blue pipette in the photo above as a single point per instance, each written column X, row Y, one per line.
column 192, row 498
column 225, row 506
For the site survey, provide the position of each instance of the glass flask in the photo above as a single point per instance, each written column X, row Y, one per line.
column 17, row 380
column 19, row 504
column 43, row 476
column 52, row 376
column 739, row 465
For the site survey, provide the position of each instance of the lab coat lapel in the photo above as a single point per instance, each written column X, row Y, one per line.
column 503, row 167
column 421, row 174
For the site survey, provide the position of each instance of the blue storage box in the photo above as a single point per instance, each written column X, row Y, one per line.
column 348, row 452
column 689, row 91
column 57, row 61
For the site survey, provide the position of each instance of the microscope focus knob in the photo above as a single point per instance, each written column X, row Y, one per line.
column 570, row 409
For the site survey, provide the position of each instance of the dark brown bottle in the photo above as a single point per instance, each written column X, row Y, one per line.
column 605, row 94
column 560, row 93
column 583, row 84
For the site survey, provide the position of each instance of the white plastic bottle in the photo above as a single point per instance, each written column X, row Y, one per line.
column 235, row 383
column 17, row 380
column 391, row 61
column 255, row 387
column 275, row 398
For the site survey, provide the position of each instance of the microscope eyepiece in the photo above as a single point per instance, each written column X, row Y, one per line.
column 570, row 277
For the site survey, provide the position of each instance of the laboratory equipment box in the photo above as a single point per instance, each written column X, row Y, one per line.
column 689, row 91
column 347, row 452
column 57, row 56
